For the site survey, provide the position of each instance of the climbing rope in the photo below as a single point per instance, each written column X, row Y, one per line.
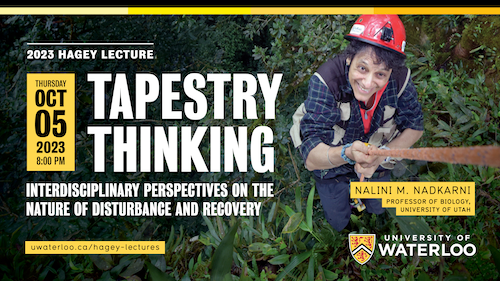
column 474, row 155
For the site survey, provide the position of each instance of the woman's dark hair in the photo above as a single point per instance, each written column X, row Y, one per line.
column 391, row 59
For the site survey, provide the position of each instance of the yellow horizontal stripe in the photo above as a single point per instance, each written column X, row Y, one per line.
column 437, row 10
column 310, row 10
column 63, row 11
column 247, row 10
column 189, row 10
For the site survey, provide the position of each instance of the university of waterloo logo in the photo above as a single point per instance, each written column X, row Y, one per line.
column 362, row 247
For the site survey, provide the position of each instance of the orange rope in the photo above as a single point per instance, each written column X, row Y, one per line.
column 474, row 155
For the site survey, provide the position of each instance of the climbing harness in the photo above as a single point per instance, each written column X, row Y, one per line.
column 358, row 204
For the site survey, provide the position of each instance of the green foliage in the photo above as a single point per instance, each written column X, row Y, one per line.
column 223, row 256
column 155, row 274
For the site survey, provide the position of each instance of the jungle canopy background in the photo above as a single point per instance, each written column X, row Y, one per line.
column 455, row 67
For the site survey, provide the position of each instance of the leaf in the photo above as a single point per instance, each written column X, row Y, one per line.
column 11, row 19
column 223, row 256
column 271, row 213
column 495, row 253
column 138, row 236
column 423, row 277
column 455, row 278
column 133, row 268
column 489, row 180
column 170, row 240
column 159, row 261
column 304, row 227
column 399, row 170
column 330, row 275
column 72, row 265
column 477, row 49
column 103, row 262
column 310, row 270
column 293, row 223
column 124, row 262
column 156, row 275
column 463, row 119
column 309, row 210
column 444, row 134
column 294, row 262
column 451, row 169
column 410, row 225
column 298, row 199
column 106, row 276
column 211, row 228
column 265, row 233
column 479, row 132
column 289, row 210
column 258, row 247
column 281, row 259
column 476, row 117
column 466, row 127
column 443, row 125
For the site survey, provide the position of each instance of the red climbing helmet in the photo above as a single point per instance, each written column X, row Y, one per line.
column 386, row 31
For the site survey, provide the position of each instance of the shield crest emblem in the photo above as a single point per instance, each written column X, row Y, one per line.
column 362, row 247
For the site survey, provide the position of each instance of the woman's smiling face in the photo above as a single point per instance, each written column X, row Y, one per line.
column 367, row 75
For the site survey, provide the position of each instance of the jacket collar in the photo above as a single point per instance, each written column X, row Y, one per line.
column 346, row 88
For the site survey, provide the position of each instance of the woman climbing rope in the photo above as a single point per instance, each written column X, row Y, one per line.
column 364, row 95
